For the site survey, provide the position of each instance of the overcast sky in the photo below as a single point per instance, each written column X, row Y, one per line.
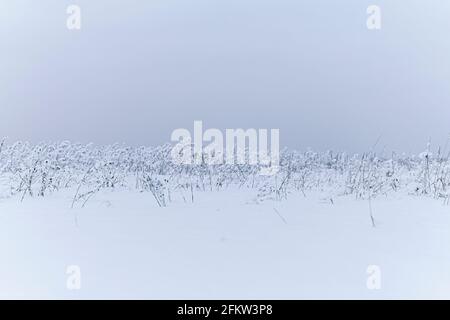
column 137, row 70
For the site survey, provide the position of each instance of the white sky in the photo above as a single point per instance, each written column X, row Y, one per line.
column 139, row 69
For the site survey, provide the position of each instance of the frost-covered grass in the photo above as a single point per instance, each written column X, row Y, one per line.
column 38, row 170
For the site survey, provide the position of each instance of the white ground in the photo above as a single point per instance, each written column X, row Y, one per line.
column 224, row 246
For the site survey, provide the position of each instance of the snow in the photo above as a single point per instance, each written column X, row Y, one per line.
column 224, row 245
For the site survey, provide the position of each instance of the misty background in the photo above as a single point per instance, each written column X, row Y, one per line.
column 137, row 70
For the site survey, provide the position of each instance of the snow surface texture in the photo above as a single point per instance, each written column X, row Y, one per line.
column 138, row 226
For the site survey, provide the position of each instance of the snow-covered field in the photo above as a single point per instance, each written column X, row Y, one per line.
column 135, row 225
column 224, row 246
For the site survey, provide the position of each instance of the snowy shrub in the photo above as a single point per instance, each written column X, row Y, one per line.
column 39, row 170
